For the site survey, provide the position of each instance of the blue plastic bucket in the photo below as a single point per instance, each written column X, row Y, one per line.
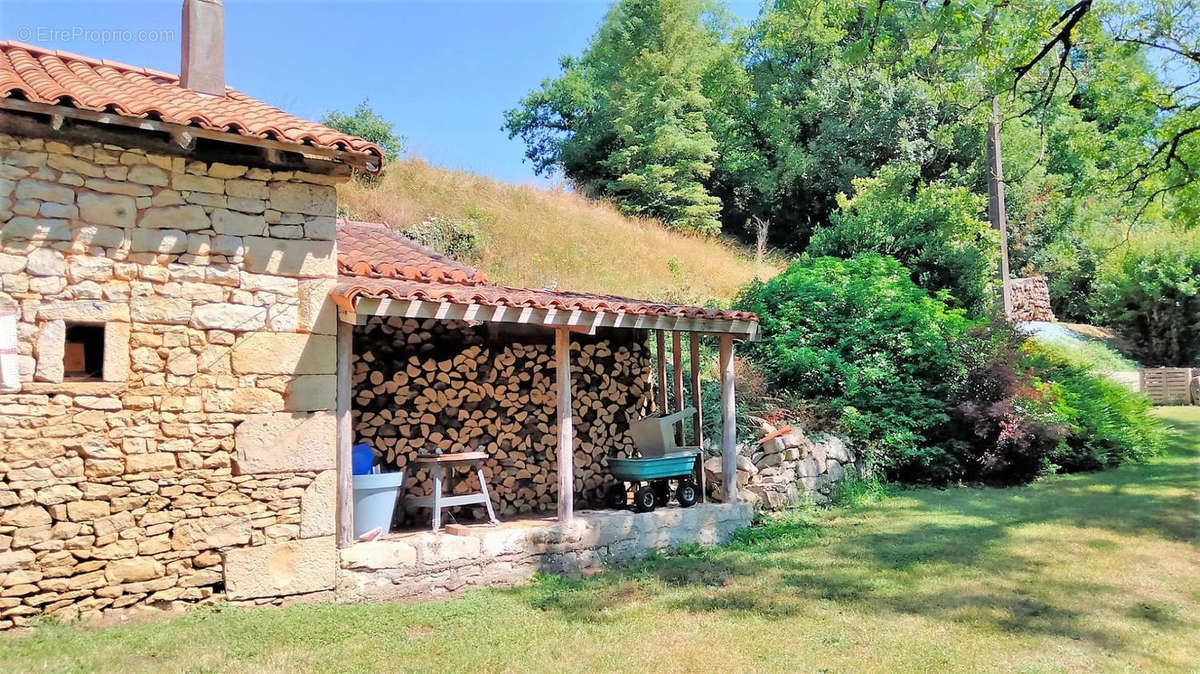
column 375, row 501
column 362, row 457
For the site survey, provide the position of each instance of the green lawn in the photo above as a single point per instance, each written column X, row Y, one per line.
column 1084, row 572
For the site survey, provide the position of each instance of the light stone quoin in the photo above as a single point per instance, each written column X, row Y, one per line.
column 201, row 457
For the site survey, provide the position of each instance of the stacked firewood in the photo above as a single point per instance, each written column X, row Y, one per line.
column 430, row 386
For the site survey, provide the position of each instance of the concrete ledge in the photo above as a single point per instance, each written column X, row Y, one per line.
column 425, row 565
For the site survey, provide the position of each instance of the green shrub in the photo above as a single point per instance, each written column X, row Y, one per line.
column 1152, row 296
column 456, row 239
column 1110, row 424
column 860, row 338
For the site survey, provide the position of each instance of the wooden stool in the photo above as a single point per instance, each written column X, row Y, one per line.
column 437, row 501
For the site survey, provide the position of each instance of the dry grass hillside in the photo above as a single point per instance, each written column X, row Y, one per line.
column 536, row 237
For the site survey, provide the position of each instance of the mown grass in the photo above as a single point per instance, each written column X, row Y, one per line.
column 1082, row 572
column 537, row 237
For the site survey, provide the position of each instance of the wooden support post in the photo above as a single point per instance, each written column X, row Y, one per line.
column 566, row 439
column 698, row 417
column 728, row 423
column 345, row 437
column 677, row 383
column 661, row 348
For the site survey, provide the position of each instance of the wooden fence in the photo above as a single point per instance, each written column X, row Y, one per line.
column 1170, row 385
column 1163, row 385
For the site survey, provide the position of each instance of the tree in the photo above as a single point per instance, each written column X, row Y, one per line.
column 366, row 124
column 629, row 119
column 934, row 229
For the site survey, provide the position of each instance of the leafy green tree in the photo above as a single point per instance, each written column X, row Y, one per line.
column 934, row 229
column 365, row 123
column 629, row 119
column 1152, row 296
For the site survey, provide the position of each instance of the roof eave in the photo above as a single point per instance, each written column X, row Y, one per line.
column 185, row 136
column 358, row 309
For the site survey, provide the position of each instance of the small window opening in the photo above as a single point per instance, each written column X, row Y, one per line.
column 83, row 353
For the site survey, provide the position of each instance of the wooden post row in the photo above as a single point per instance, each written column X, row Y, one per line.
column 345, row 437
column 677, row 383
column 728, row 423
column 698, row 417
column 566, row 439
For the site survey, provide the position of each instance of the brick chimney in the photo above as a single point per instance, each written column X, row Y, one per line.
column 202, row 64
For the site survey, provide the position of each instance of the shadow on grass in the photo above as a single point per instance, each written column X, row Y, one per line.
column 946, row 555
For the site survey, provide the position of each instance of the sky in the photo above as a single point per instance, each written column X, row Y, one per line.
column 443, row 72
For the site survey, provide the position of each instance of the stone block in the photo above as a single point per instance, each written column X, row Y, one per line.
column 294, row 567
column 318, row 506
column 144, row 463
column 118, row 187
column 87, row 311
column 49, row 348
column 37, row 229
column 116, row 352
column 378, row 555
column 308, row 393
column 317, row 312
column 117, row 210
column 225, row 171
column 255, row 400
column 247, row 189
column 207, row 533
column 88, row 268
column 290, row 257
column 446, row 550
column 283, row 442
column 285, row 353
column 187, row 218
column 133, row 570
column 303, row 198
column 167, row 241
column 148, row 175
column 238, row 224
column 46, row 262
column 25, row 516
column 169, row 310
column 193, row 183
column 98, row 235
column 44, row 191
column 231, row 317
column 12, row 264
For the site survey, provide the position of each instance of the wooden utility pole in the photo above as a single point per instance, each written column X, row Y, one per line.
column 996, row 212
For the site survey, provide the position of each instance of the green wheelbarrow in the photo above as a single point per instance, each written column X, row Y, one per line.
column 650, row 480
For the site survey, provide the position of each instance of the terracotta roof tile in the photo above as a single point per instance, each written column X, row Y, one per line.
column 376, row 250
column 61, row 78
column 376, row 262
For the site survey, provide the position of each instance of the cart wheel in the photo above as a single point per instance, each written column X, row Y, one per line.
column 644, row 500
column 616, row 496
column 662, row 491
column 688, row 493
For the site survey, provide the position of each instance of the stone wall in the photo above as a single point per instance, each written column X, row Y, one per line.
column 207, row 445
column 1030, row 299
column 426, row 565
column 788, row 467
column 424, row 384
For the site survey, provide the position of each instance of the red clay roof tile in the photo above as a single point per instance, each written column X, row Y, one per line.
column 61, row 78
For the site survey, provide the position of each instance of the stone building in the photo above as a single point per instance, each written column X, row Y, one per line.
column 185, row 321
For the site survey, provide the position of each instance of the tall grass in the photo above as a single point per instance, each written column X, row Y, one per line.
column 537, row 237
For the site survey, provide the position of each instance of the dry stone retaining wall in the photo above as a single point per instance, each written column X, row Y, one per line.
column 424, row 384
column 426, row 564
column 788, row 468
column 203, row 458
